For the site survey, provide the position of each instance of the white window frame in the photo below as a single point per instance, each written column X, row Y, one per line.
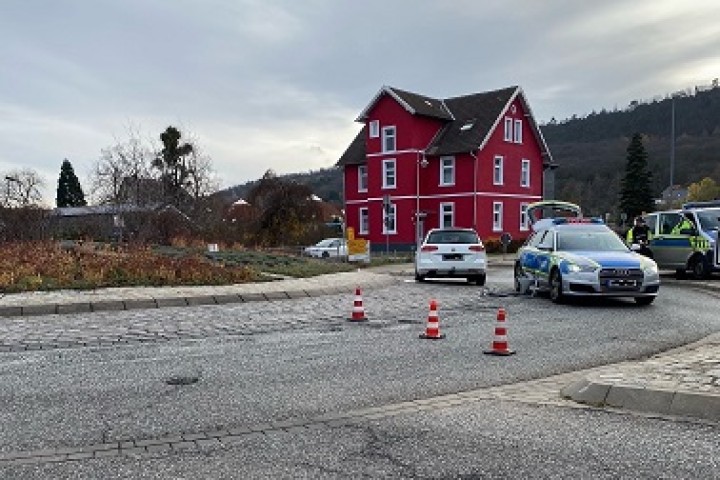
column 363, row 221
column 391, row 214
column 497, row 216
column 525, row 173
column 387, row 135
column 524, row 219
column 447, row 209
column 508, row 129
column 498, row 162
column 517, row 134
column 447, row 165
column 374, row 128
column 389, row 173
column 362, row 178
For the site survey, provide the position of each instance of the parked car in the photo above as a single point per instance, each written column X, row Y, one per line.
column 583, row 257
column 329, row 247
column 451, row 253
column 693, row 247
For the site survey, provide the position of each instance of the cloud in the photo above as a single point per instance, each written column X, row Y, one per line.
column 277, row 83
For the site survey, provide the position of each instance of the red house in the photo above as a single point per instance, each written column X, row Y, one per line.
column 420, row 162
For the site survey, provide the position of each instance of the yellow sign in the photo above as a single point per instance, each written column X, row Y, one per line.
column 357, row 246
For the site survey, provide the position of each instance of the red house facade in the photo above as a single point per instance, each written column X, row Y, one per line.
column 420, row 163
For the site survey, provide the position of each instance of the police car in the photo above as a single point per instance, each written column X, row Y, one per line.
column 579, row 256
column 686, row 239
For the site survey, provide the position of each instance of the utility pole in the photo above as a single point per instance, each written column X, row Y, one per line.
column 672, row 144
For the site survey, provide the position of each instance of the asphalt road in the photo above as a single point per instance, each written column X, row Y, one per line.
column 300, row 360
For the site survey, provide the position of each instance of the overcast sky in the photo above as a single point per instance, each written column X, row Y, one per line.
column 278, row 83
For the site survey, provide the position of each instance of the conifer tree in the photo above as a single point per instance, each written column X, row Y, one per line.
column 69, row 191
column 635, row 190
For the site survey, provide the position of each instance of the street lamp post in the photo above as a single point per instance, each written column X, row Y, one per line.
column 672, row 144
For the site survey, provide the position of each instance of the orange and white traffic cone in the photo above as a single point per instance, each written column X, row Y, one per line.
column 432, row 331
column 500, row 343
column 358, row 312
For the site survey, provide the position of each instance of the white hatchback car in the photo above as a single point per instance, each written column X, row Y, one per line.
column 330, row 247
column 451, row 253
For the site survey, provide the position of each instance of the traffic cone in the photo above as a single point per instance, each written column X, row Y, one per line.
column 358, row 313
column 500, row 343
column 432, row 331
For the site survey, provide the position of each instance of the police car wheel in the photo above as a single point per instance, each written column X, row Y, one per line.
column 700, row 268
column 556, row 294
column 517, row 274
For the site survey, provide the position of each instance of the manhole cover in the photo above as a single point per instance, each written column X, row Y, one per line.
column 182, row 380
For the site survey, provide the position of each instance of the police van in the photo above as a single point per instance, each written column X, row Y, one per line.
column 686, row 239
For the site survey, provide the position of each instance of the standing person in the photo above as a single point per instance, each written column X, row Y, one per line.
column 640, row 235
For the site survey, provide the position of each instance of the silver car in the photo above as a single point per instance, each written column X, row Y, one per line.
column 451, row 253
column 330, row 247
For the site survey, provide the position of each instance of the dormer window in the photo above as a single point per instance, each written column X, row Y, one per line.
column 468, row 125
column 388, row 139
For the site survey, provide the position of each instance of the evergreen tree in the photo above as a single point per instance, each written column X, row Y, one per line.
column 69, row 191
column 635, row 191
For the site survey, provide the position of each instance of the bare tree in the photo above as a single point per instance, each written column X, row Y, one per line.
column 201, row 176
column 22, row 188
column 119, row 173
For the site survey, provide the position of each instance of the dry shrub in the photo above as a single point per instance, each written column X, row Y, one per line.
column 44, row 265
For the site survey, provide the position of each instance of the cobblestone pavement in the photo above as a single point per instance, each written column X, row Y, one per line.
column 684, row 382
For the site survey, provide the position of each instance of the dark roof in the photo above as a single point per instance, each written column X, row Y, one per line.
column 475, row 116
column 422, row 105
column 355, row 153
column 468, row 120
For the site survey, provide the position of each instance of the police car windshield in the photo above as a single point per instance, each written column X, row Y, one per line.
column 590, row 241
column 709, row 219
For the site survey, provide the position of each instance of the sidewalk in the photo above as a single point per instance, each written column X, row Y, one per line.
column 682, row 382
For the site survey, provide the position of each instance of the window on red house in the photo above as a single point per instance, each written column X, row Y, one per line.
column 525, row 173
column 388, row 140
column 389, row 177
column 362, row 178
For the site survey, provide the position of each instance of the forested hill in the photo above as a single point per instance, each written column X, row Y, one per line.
column 591, row 150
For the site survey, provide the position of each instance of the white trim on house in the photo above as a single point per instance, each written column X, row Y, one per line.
column 508, row 131
column 362, row 188
column 497, row 216
column 386, row 137
column 385, row 170
column 448, row 195
column 525, row 178
column 443, row 211
column 374, row 128
column 395, row 153
column 447, row 163
column 393, row 215
column 363, row 227
column 524, row 219
column 498, row 170
column 517, row 131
